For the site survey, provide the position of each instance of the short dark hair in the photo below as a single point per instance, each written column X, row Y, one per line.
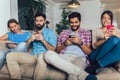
column 11, row 21
column 109, row 13
column 40, row 14
column 75, row 14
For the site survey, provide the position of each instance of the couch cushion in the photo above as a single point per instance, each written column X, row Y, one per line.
column 108, row 74
column 26, row 70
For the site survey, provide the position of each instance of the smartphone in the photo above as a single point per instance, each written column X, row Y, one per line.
column 109, row 26
column 70, row 36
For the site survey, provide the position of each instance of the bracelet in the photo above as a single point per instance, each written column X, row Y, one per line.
column 81, row 44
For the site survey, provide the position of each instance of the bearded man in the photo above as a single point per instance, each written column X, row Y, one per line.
column 42, row 40
column 73, row 45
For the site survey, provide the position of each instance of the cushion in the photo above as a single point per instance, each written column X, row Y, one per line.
column 108, row 74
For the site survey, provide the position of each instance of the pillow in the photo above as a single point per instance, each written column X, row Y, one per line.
column 108, row 74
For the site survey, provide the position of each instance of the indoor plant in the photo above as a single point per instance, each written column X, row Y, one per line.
column 64, row 23
column 26, row 11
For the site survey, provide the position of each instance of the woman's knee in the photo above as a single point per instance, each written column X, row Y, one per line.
column 22, row 47
column 23, row 44
column 115, row 39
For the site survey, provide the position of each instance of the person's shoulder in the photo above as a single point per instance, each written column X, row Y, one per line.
column 49, row 30
column 27, row 32
column 85, row 30
column 65, row 31
column 9, row 33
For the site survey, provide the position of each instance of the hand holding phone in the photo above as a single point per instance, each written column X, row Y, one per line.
column 109, row 27
column 71, row 36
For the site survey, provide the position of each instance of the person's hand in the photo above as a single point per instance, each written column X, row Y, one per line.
column 39, row 37
column 32, row 38
column 67, row 42
column 112, row 31
column 11, row 45
column 75, row 39
column 106, row 35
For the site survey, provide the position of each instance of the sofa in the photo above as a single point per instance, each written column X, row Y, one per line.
column 28, row 70
column 56, row 74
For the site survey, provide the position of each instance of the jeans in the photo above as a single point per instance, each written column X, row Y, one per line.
column 21, row 47
column 107, row 53
column 3, row 54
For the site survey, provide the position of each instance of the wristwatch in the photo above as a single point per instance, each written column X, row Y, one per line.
column 65, row 44
column 81, row 44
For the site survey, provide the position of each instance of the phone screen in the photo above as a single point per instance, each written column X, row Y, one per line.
column 70, row 36
column 110, row 26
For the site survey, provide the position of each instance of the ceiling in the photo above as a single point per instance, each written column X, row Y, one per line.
column 110, row 1
column 103, row 1
column 66, row 1
column 111, row 4
column 108, row 4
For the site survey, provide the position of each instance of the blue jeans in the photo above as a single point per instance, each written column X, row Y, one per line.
column 107, row 53
column 3, row 54
column 21, row 47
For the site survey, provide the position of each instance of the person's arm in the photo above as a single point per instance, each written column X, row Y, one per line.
column 86, row 48
column 51, row 43
column 30, row 40
column 98, row 43
column 4, row 38
column 114, row 32
column 76, row 40
column 60, row 47
column 48, row 46
column 95, row 34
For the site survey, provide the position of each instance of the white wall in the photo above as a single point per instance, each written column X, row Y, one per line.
column 14, row 9
column 50, row 13
column 90, row 12
column 4, row 15
column 53, row 14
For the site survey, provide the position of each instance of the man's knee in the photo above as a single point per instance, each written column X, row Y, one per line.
column 49, row 55
column 11, row 55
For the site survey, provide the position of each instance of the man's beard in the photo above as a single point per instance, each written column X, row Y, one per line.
column 75, row 29
column 39, row 27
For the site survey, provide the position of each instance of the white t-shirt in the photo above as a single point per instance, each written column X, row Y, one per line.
column 74, row 49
